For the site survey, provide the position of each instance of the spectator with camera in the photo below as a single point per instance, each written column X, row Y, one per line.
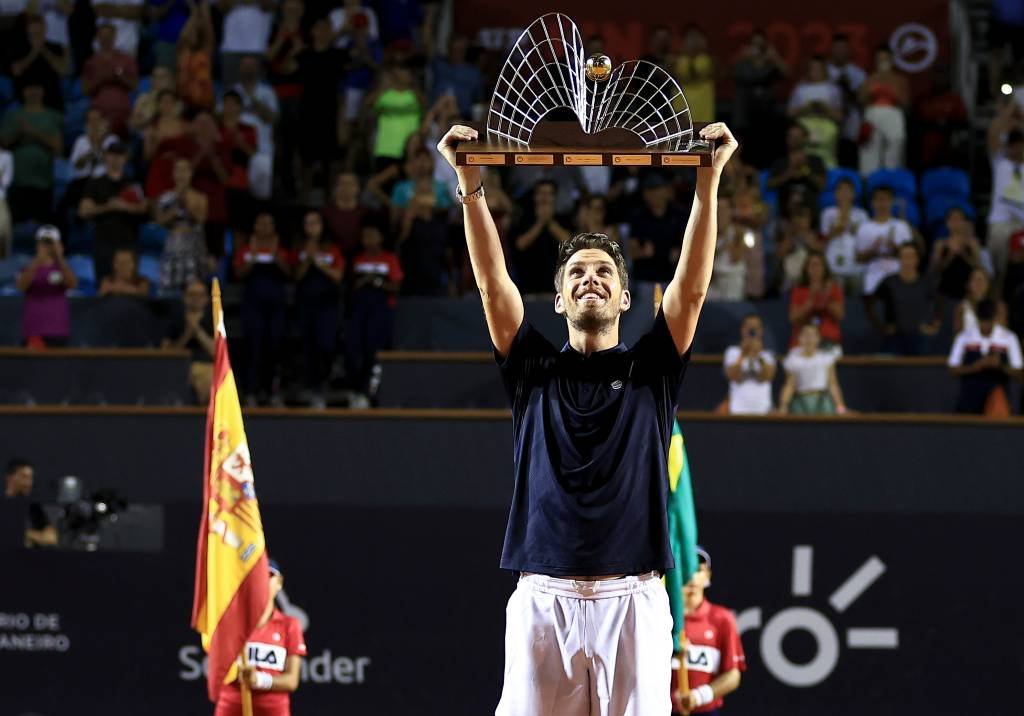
column 45, row 320
column 750, row 370
column 985, row 359
column 811, row 387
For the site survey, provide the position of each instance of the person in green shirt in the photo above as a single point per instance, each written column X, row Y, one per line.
column 399, row 109
column 32, row 133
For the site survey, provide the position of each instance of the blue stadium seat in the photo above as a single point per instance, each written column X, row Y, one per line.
column 74, row 118
column 23, row 239
column 835, row 175
column 149, row 268
column 6, row 91
column 80, row 237
column 908, row 210
column 85, row 270
column 901, row 181
column 73, row 88
column 937, row 207
column 9, row 270
column 770, row 197
column 945, row 181
column 152, row 238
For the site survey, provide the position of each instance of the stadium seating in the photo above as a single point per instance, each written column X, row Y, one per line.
column 149, row 268
column 152, row 238
column 838, row 174
column 945, row 181
column 936, row 208
column 9, row 270
column 84, row 268
column 770, row 197
column 901, row 181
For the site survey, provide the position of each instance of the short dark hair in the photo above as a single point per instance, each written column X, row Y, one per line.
column 985, row 310
column 884, row 189
column 909, row 245
column 1015, row 136
column 545, row 182
column 579, row 242
column 847, row 181
column 840, row 37
column 15, row 464
column 232, row 94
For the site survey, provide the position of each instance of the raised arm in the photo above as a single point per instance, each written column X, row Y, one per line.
column 685, row 294
column 503, row 305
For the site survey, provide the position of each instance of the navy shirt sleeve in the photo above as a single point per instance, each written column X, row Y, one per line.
column 658, row 360
column 519, row 368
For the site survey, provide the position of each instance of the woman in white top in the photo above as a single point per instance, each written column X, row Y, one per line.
column 811, row 386
column 979, row 287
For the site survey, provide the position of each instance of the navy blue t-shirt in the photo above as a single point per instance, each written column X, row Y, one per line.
column 591, row 449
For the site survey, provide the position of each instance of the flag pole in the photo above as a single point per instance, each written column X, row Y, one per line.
column 243, row 683
column 682, row 678
column 215, row 297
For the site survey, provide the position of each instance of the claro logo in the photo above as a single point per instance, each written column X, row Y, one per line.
column 322, row 668
column 816, row 623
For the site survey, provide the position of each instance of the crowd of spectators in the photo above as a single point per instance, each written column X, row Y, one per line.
column 289, row 148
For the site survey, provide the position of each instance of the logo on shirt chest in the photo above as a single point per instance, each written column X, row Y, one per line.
column 616, row 384
column 271, row 657
column 700, row 657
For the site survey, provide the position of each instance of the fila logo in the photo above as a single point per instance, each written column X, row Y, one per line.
column 700, row 657
column 616, row 384
column 267, row 656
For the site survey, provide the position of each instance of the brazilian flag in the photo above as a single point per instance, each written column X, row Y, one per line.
column 682, row 531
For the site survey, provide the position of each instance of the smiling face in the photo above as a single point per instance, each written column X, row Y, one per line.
column 591, row 295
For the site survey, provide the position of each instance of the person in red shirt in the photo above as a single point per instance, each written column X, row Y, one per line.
column 818, row 298
column 318, row 274
column 274, row 652
column 265, row 268
column 714, row 653
column 376, row 278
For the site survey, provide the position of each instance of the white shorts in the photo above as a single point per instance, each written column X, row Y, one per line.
column 574, row 648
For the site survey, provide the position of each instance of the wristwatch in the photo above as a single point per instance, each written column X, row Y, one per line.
column 469, row 198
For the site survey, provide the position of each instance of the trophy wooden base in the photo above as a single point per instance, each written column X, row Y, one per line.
column 563, row 143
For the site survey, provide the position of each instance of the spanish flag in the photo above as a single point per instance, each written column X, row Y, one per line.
column 231, row 561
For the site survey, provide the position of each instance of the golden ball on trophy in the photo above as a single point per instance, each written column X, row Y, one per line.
column 599, row 67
